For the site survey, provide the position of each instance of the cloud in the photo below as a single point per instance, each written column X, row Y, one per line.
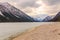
column 28, row 6
column 36, row 7
column 29, row 3
column 51, row 2
column 23, row 3
column 51, row 7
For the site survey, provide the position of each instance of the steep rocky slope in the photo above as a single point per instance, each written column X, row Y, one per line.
column 12, row 14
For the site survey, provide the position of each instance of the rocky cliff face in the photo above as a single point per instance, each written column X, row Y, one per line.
column 12, row 14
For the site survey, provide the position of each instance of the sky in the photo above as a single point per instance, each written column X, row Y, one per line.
column 36, row 7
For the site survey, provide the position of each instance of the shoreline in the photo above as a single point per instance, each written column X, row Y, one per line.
column 49, row 26
column 16, row 29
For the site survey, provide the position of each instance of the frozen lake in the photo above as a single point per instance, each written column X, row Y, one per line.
column 13, row 29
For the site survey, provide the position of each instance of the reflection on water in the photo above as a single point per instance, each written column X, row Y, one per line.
column 13, row 29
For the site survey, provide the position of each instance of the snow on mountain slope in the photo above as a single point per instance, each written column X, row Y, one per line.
column 13, row 14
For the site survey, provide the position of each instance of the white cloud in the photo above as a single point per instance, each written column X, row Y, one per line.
column 35, row 7
column 28, row 6
column 23, row 3
column 49, row 6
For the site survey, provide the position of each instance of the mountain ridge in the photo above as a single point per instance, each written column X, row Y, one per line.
column 56, row 18
column 12, row 14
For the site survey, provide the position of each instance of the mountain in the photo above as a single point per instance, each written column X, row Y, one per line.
column 48, row 18
column 37, row 19
column 40, row 17
column 12, row 14
column 56, row 18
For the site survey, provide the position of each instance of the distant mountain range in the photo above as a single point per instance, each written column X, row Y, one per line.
column 48, row 18
column 40, row 17
column 9, row 13
column 56, row 18
column 12, row 14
